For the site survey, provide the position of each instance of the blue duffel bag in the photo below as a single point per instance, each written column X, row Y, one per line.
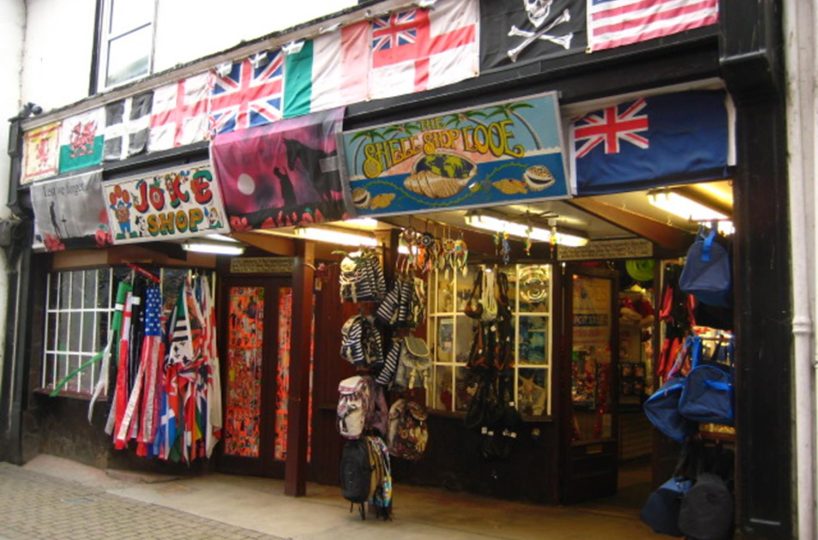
column 707, row 273
column 707, row 395
column 662, row 408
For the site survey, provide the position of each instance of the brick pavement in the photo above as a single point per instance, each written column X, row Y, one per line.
column 34, row 505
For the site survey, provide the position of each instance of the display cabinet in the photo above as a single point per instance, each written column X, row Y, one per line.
column 451, row 333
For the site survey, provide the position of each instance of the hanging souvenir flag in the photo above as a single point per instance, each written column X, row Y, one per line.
column 68, row 208
column 179, row 115
column 282, row 174
column 613, row 23
column 117, row 412
column 40, row 153
column 329, row 71
column 247, row 93
column 650, row 141
column 127, row 126
column 526, row 30
column 419, row 49
column 152, row 357
column 112, row 348
column 81, row 140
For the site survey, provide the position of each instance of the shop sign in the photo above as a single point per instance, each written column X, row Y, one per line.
column 636, row 248
column 169, row 204
column 68, row 208
column 262, row 265
column 497, row 154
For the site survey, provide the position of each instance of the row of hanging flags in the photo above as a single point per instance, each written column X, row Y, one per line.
column 273, row 119
column 167, row 393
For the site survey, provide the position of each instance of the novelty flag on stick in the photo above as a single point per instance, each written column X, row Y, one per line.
column 613, row 23
column 329, row 71
column 526, row 30
column 646, row 142
column 81, row 140
column 179, row 115
column 419, row 49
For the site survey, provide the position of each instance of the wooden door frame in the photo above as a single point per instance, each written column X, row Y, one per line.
column 564, row 359
column 265, row 464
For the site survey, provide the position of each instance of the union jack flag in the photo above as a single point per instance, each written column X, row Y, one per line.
column 394, row 30
column 248, row 93
column 609, row 126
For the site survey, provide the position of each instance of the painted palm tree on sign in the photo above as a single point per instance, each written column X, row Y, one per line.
column 363, row 138
column 456, row 120
column 510, row 112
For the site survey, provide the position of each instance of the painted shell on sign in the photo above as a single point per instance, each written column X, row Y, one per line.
column 440, row 176
column 538, row 177
column 360, row 198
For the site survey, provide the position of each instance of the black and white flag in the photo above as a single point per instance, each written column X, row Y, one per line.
column 525, row 30
column 127, row 126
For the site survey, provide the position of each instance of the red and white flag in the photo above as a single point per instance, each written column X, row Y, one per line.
column 179, row 115
column 613, row 23
column 419, row 49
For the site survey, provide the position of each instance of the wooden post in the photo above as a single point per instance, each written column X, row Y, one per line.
column 295, row 469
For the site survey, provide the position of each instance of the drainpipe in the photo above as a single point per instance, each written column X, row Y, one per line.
column 804, row 371
column 813, row 510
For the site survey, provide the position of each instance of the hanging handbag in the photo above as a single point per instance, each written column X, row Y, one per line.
column 473, row 307
column 707, row 273
column 707, row 396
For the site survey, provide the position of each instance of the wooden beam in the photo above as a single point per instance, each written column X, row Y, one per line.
column 277, row 245
column 667, row 237
column 295, row 468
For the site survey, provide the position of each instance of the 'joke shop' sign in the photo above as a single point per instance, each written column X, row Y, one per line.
column 173, row 203
column 492, row 155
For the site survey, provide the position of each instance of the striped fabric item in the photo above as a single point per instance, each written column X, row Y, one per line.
column 614, row 23
column 361, row 343
column 362, row 278
column 390, row 364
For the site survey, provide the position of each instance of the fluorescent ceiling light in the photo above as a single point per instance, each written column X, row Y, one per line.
column 221, row 238
column 363, row 223
column 335, row 237
column 213, row 248
column 520, row 230
column 684, row 207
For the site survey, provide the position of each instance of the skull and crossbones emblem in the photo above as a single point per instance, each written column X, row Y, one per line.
column 537, row 12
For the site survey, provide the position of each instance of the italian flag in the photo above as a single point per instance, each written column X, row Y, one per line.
column 329, row 71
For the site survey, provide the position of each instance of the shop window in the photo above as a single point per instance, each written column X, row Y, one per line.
column 451, row 333
column 125, row 41
column 78, row 310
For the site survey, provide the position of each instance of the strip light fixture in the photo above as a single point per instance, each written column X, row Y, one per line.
column 520, row 230
column 332, row 236
column 213, row 248
column 683, row 206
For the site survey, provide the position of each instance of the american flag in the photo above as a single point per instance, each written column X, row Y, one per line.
column 248, row 93
column 394, row 30
column 610, row 126
column 613, row 23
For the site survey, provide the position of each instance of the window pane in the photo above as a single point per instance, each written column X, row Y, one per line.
column 532, row 392
column 442, row 398
column 533, row 340
column 62, row 332
column 76, row 289
column 86, row 382
column 51, row 336
column 465, row 337
column 89, row 289
column 445, row 339
column 129, row 56
column 535, row 288
column 65, row 288
column 445, row 303
column 103, row 288
column 75, row 332
column 466, row 386
column 53, row 291
column 129, row 14
column 89, row 345
column 49, row 369
column 465, row 284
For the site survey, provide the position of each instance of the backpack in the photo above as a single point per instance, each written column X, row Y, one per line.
column 356, row 473
column 362, row 277
column 379, row 418
column 381, row 477
column 408, row 433
column 355, row 405
column 405, row 304
column 707, row 273
column 361, row 342
column 414, row 364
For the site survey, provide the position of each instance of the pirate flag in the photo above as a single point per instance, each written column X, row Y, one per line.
column 526, row 30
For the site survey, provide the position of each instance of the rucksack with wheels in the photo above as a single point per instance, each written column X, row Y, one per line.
column 356, row 473
column 355, row 404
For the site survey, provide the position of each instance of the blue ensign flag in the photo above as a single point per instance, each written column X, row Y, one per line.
column 651, row 141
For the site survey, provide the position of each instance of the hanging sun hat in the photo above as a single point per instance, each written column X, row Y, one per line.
column 640, row 269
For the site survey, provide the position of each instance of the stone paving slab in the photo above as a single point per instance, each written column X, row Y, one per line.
column 34, row 505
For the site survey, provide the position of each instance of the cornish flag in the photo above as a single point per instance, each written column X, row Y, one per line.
column 247, row 93
column 651, row 141
column 127, row 126
column 419, row 49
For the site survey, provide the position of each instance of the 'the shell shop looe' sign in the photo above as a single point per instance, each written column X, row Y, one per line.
column 173, row 203
column 493, row 155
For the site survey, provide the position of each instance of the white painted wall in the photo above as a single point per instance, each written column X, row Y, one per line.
column 60, row 37
column 190, row 29
column 12, row 27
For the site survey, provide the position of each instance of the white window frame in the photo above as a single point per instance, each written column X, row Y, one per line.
column 52, row 369
column 106, row 37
